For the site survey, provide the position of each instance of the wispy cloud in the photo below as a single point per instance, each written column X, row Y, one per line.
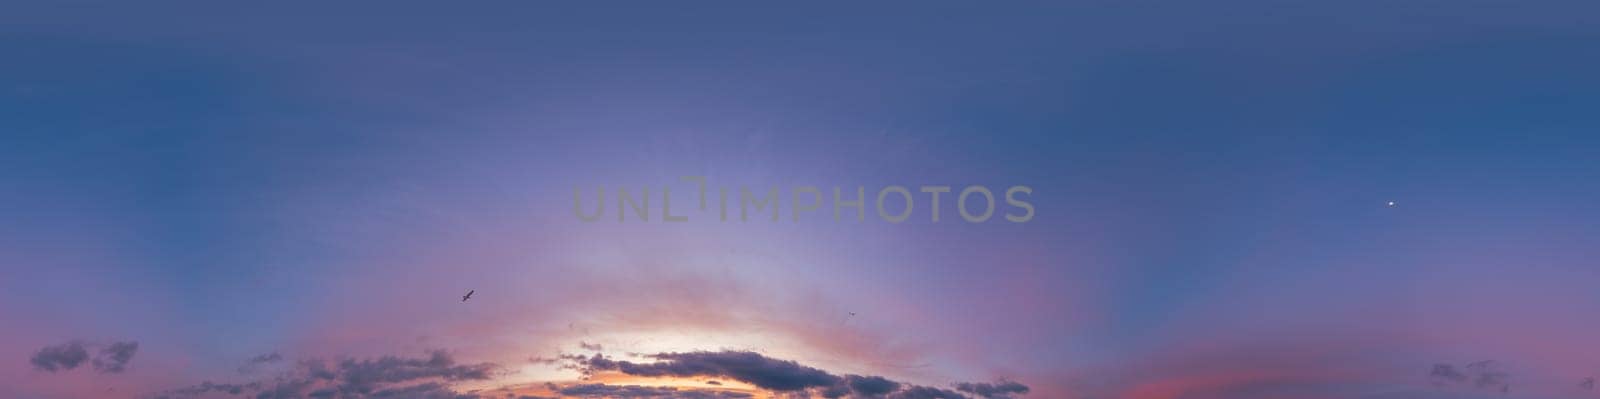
column 1485, row 374
column 256, row 363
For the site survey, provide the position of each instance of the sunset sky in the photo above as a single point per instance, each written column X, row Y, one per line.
column 279, row 201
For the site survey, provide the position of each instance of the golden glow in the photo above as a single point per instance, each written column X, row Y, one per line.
column 531, row 378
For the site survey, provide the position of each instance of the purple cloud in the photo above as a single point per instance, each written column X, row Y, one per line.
column 996, row 390
column 66, row 356
column 114, row 358
column 110, row 358
column 382, row 377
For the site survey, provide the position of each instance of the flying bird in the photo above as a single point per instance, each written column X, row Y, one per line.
column 1588, row 384
column 464, row 298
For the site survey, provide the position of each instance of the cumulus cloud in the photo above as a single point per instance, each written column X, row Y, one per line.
column 108, row 358
column 383, row 377
column 784, row 376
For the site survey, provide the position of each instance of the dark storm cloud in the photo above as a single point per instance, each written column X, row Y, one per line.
column 636, row 391
column 110, row 358
column 996, row 390
column 382, row 377
column 783, row 376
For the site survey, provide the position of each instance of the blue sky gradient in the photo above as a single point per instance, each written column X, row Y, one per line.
column 1211, row 181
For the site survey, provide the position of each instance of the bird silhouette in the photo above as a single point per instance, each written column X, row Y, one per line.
column 464, row 298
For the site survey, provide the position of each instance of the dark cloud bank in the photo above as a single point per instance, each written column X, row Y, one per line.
column 636, row 391
column 108, row 358
column 383, row 377
column 788, row 377
column 432, row 377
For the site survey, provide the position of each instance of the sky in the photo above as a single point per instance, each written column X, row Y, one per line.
column 1233, row 199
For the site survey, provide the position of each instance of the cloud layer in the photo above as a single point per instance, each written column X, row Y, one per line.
column 638, row 391
column 437, row 374
column 785, row 376
column 383, row 377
